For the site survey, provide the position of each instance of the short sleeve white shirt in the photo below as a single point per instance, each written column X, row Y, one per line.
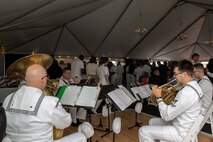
column 102, row 71
column 76, row 67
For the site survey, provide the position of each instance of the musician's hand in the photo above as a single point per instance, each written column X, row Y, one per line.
column 156, row 91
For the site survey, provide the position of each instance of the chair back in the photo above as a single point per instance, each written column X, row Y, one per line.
column 208, row 116
column 195, row 129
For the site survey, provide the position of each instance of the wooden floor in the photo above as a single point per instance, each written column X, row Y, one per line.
column 125, row 135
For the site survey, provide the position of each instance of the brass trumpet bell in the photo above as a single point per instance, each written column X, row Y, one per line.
column 18, row 69
column 168, row 94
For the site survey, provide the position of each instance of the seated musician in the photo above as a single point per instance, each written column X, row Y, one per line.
column 31, row 115
column 66, row 80
column 177, row 118
column 205, row 85
column 2, row 123
column 66, row 77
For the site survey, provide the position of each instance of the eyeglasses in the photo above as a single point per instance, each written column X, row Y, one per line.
column 175, row 74
column 45, row 76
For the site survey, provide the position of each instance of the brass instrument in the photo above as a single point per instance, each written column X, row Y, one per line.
column 168, row 93
column 18, row 69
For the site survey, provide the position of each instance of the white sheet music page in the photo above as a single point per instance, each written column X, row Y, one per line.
column 148, row 90
column 142, row 92
column 120, row 98
column 71, row 95
column 135, row 91
column 128, row 93
column 88, row 96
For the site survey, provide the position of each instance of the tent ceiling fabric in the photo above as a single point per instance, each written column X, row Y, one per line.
column 107, row 27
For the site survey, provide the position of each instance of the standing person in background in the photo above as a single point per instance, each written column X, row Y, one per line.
column 103, row 71
column 205, row 85
column 138, row 71
column 113, row 72
column 62, row 64
column 195, row 58
column 120, row 71
column 91, row 68
column 130, row 78
column 77, row 67
column 146, row 67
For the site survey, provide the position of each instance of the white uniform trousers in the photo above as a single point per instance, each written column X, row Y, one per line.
column 159, row 130
column 76, row 137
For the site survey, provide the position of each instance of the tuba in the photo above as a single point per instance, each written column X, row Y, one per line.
column 18, row 69
column 168, row 93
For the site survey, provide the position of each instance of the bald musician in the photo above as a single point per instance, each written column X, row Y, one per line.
column 31, row 115
column 205, row 85
column 177, row 118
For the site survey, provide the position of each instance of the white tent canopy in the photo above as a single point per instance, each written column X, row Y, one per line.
column 107, row 27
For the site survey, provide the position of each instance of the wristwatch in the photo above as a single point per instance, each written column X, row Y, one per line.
column 159, row 99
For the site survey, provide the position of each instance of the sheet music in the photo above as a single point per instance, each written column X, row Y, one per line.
column 148, row 90
column 128, row 93
column 121, row 99
column 71, row 95
column 135, row 92
column 88, row 96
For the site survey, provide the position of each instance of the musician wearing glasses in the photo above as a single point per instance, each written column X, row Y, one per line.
column 31, row 115
column 205, row 85
column 177, row 118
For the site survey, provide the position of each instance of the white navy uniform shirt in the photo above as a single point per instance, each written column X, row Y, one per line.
column 76, row 67
column 185, row 109
column 206, row 86
column 102, row 71
column 31, row 115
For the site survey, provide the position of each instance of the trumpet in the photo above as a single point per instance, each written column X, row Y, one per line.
column 168, row 93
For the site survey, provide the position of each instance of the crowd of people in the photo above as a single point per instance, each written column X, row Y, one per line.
column 31, row 115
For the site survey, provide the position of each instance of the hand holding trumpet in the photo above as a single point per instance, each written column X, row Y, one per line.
column 157, row 91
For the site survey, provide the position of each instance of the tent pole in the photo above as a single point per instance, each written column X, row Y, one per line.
column 55, row 28
column 185, row 50
column 192, row 23
column 28, row 12
column 79, row 41
column 41, row 17
column 111, row 29
column 59, row 37
column 174, row 50
column 205, row 50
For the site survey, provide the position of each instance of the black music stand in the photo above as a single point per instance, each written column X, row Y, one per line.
column 102, row 95
column 116, row 99
column 137, row 124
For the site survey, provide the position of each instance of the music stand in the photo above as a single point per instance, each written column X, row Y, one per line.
column 102, row 96
column 140, row 94
column 137, row 124
column 120, row 98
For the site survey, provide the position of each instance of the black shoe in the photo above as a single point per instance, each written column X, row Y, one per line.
column 74, row 125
